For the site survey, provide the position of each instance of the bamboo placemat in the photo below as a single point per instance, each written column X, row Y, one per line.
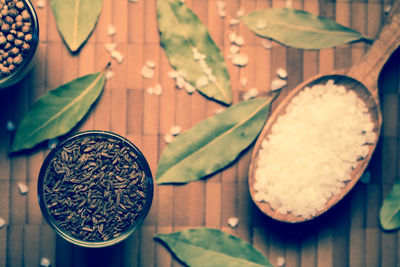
column 348, row 235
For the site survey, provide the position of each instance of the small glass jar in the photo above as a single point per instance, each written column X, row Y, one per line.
column 28, row 59
column 47, row 172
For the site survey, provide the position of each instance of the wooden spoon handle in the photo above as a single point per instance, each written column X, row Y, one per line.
column 388, row 41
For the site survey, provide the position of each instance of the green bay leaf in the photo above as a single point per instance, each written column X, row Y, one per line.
column 299, row 29
column 181, row 33
column 76, row 19
column 205, row 247
column 58, row 111
column 213, row 143
column 389, row 215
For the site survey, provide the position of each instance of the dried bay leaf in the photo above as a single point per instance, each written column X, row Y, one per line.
column 182, row 36
column 58, row 111
column 299, row 29
column 389, row 215
column 76, row 19
column 213, row 143
column 211, row 247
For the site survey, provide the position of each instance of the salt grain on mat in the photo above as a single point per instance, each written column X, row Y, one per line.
column 266, row 43
column 110, row 47
column 233, row 222
column 240, row 60
column 281, row 73
column 312, row 149
column 111, row 30
column 2, row 223
column 109, row 74
column 168, row 138
column 117, row 56
column 147, row 73
column 278, row 84
column 23, row 189
column 45, row 262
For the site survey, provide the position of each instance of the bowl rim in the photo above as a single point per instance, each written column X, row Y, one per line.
column 23, row 69
column 143, row 164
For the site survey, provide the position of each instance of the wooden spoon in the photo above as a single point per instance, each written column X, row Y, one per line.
column 362, row 79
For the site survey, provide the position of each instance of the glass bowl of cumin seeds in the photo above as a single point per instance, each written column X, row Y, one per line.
column 19, row 39
column 95, row 188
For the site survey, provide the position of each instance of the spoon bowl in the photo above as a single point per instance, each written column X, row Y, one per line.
column 361, row 79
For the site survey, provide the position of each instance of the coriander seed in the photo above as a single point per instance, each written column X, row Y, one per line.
column 28, row 37
column 25, row 15
column 25, row 47
column 26, row 29
column 20, row 5
column 18, row 42
column 17, row 60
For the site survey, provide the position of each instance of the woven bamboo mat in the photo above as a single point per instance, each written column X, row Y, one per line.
column 348, row 235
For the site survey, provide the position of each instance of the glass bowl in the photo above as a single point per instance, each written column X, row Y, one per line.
column 27, row 62
column 95, row 189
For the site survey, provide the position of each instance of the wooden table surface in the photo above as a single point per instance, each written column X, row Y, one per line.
column 347, row 235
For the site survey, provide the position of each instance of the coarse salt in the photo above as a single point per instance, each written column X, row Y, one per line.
column 240, row 13
column 312, row 149
column 109, row 74
column 280, row 261
column 173, row 74
column 150, row 63
column 267, row 44
column 168, row 138
column 23, row 189
column 175, row 130
column 117, row 56
column 288, row 4
column 239, row 40
column 111, row 30
column 180, row 82
column 147, row 73
column 282, row 73
column 232, row 37
column 233, row 222
column 110, row 47
column 251, row 93
column 261, row 24
column 202, row 81
column 221, row 5
column 240, row 60
column 157, row 89
column 45, row 262
column 40, row 3
column 150, row 90
column 2, row 223
column 277, row 84
column 133, row 1
column 189, row 88
column 10, row 126
column 234, row 49
column 233, row 22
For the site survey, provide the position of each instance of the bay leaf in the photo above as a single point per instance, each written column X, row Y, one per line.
column 76, row 20
column 299, row 29
column 213, row 143
column 58, row 111
column 183, row 35
column 205, row 247
column 389, row 215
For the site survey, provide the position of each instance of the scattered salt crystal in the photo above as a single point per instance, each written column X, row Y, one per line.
column 266, row 43
column 150, row 63
column 10, row 126
column 240, row 12
column 2, row 223
column 41, row 3
column 232, row 37
column 52, row 143
column 366, row 178
column 288, row 4
column 23, row 189
column 222, row 13
column 111, row 30
column 218, row 110
column 234, row 49
column 282, row 73
column 387, row 9
column 243, row 82
column 133, row 1
column 168, row 138
column 277, row 84
column 109, row 74
column 253, row 92
column 280, row 261
column 240, row 60
column 180, row 82
column 202, row 81
column 45, row 262
column 158, row 89
column 189, row 88
column 239, row 40
column 147, row 72
column 233, row 21
column 117, row 56
column 110, row 47
column 233, row 222
column 221, row 5
column 175, row 130
column 261, row 24
column 150, row 90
